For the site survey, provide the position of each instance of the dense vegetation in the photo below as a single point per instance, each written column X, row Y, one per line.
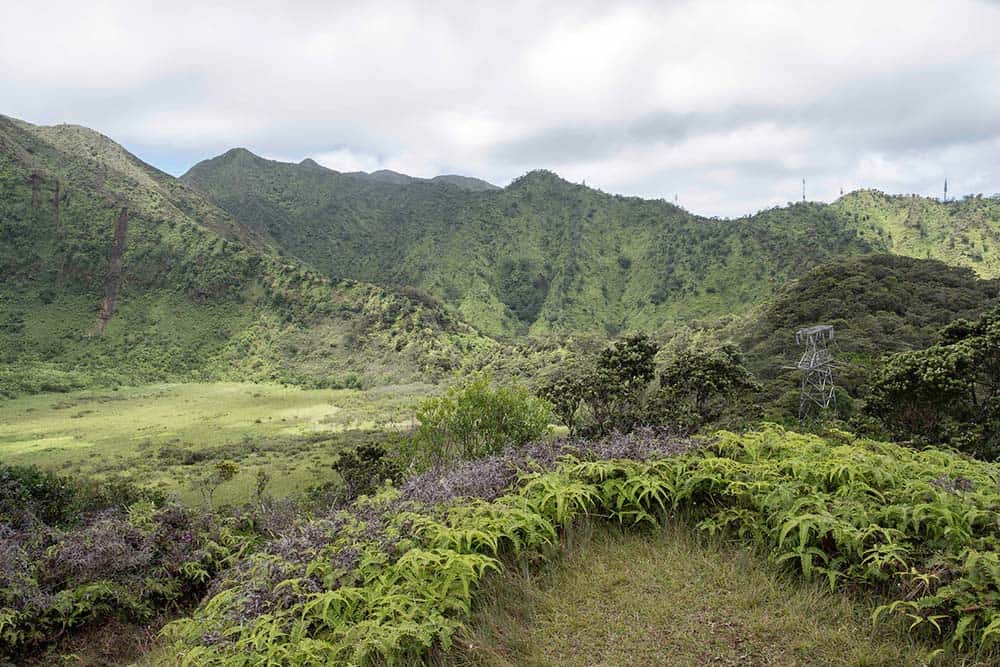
column 544, row 254
column 948, row 393
column 878, row 304
column 185, row 292
column 632, row 383
column 394, row 576
column 70, row 555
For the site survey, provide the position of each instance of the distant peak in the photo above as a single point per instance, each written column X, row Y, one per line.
column 239, row 151
column 539, row 177
column 465, row 182
column 312, row 164
column 389, row 176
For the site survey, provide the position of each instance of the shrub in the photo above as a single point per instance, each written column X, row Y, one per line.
column 620, row 390
column 30, row 493
column 364, row 468
column 699, row 381
column 476, row 419
column 116, row 564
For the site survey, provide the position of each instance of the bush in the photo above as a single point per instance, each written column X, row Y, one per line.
column 476, row 419
column 126, row 565
column 30, row 493
column 364, row 468
column 699, row 383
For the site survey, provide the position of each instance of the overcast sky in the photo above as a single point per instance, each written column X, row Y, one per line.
column 728, row 105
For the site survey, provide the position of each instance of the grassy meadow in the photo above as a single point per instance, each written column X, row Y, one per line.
column 671, row 597
column 167, row 435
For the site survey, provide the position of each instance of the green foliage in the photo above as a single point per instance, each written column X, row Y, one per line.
column 523, row 288
column 878, row 304
column 607, row 393
column 697, row 381
column 917, row 529
column 126, row 566
column 947, row 393
column 700, row 379
column 363, row 469
column 60, row 500
column 476, row 419
column 614, row 393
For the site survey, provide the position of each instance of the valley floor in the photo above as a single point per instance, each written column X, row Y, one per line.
column 672, row 598
column 167, row 435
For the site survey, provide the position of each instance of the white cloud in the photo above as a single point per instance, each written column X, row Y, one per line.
column 346, row 160
column 728, row 103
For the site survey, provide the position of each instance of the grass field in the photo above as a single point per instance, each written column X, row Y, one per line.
column 672, row 598
column 167, row 435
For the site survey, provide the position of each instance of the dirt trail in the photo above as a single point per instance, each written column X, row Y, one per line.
column 112, row 283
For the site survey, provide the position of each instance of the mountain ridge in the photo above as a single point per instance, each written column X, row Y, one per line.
column 544, row 254
column 380, row 175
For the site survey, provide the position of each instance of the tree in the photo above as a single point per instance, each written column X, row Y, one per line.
column 615, row 392
column 700, row 380
column 948, row 393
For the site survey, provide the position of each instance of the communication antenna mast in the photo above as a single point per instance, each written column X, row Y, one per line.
column 816, row 365
column 803, row 189
column 946, row 189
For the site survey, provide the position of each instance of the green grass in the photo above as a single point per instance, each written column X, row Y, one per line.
column 671, row 598
column 167, row 435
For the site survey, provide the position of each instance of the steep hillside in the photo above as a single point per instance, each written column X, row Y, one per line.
column 542, row 254
column 962, row 232
column 111, row 269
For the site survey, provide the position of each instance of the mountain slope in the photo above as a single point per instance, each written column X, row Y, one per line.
column 542, row 254
column 964, row 232
column 116, row 271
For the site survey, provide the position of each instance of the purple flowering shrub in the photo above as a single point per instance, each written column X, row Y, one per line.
column 112, row 564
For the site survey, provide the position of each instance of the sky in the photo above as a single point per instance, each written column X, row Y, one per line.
column 725, row 105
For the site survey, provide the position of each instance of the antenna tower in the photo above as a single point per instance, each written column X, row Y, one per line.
column 816, row 365
column 946, row 189
column 803, row 189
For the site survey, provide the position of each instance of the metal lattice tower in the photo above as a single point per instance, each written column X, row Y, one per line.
column 816, row 365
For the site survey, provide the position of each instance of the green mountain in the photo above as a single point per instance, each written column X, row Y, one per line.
column 545, row 255
column 964, row 232
column 540, row 255
column 114, row 270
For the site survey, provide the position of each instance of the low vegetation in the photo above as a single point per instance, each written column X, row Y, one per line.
column 394, row 577
column 165, row 437
column 476, row 419
column 670, row 597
